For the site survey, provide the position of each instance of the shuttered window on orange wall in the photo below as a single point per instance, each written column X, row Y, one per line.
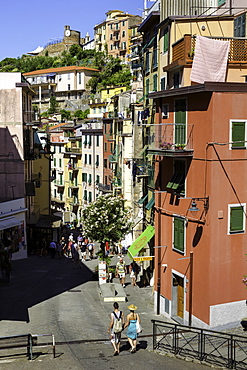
column 178, row 237
column 236, row 219
column 238, row 135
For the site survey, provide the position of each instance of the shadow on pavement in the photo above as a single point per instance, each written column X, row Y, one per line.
column 37, row 279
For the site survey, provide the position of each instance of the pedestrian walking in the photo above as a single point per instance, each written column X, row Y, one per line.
column 131, row 322
column 63, row 245
column 90, row 250
column 84, row 251
column 121, row 271
column 53, row 249
column 134, row 271
column 77, row 256
column 59, row 250
column 116, row 327
column 79, row 240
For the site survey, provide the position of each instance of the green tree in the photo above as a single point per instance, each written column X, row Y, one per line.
column 107, row 219
column 53, row 105
column 65, row 114
column 79, row 114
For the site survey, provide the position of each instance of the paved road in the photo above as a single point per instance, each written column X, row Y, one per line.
column 53, row 296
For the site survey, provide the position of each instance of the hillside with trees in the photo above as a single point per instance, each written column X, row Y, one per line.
column 112, row 71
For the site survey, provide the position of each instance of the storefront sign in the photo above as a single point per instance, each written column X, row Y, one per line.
column 143, row 258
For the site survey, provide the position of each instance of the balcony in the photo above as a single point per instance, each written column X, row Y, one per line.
column 73, row 185
column 59, row 183
column 77, row 151
column 171, row 140
column 57, row 200
column 183, row 51
column 74, row 201
column 105, row 188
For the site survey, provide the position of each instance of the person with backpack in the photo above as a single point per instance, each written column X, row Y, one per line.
column 116, row 327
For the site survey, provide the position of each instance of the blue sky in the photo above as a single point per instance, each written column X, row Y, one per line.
column 28, row 24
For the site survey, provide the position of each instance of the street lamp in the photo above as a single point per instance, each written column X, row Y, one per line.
column 194, row 207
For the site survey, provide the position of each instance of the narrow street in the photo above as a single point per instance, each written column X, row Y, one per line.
column 49, row 296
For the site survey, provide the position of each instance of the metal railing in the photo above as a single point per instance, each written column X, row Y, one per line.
column 223, row 349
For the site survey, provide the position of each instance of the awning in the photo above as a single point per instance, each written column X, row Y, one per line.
column 48, row 222
column 9, row 222
column 51, row 75
column 150, row 204
column 141, row 241
column 141, row 200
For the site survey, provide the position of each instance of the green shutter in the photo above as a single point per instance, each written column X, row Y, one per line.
column 165, row 40
column 236, row 219
column 238, row 134
column 155, row 78
column 179, row 234
column 180, row 122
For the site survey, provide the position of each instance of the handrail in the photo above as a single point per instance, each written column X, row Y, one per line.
column 224, row 349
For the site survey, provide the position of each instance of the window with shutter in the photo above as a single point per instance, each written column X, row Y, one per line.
column 180, row 122
column 238, row 131
column 236, row 219
column 165, row 39
column 178, row 234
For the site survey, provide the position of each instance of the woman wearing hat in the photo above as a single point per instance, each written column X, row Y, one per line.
column 131, row 320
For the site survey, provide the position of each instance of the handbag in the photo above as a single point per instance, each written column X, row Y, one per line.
column 138, row 327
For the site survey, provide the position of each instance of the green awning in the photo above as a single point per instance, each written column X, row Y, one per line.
column 150, row 204
column 144, row 97
column 142, row 200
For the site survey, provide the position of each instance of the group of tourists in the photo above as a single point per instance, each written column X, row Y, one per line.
column 75, row 248
column 118, row 324
column 121, row 271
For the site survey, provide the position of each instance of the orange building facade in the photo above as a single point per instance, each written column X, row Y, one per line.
column 199, row 144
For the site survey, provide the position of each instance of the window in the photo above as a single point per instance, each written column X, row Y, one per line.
column 165, row 44
column 238, row 134
column 90, row 196
column 147, row 87
column 105, row 147
column 85, row 195
column 177, row 181
column 68, row 87
column 89, row 140
column 90, row 179
column 111, row 36
column 105, row 163
column 123, row 34
column 162, row 83
column 176, row 80
column 97, row 160
column 90, row 159
column 68, row 76
column 147, row 62
column 123, row 23
column 85, row 140
column 155, row 53
column 54, row 162
column 85, row 159
column 84, row 177
column 97, row 179
column 97, row 140
column 236, row 217
column 240, row 26
column 180, row 121
column 60, row 162
column 111, row 46
column 55, row 193
column 155, row 79
column 79, row 78
column 178, row 234
column 165, row 111
column 123, row 45
column 116, row 26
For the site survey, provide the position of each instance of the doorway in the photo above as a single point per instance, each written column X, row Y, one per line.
column 177, row 297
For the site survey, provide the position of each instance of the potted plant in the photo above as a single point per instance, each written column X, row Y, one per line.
column 111, row 273
column 243, row 322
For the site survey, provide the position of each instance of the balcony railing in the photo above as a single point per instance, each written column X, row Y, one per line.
column 174, row 139
column 184, row 48
column 73, row 150
column 104, row 188
column 59, row 183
